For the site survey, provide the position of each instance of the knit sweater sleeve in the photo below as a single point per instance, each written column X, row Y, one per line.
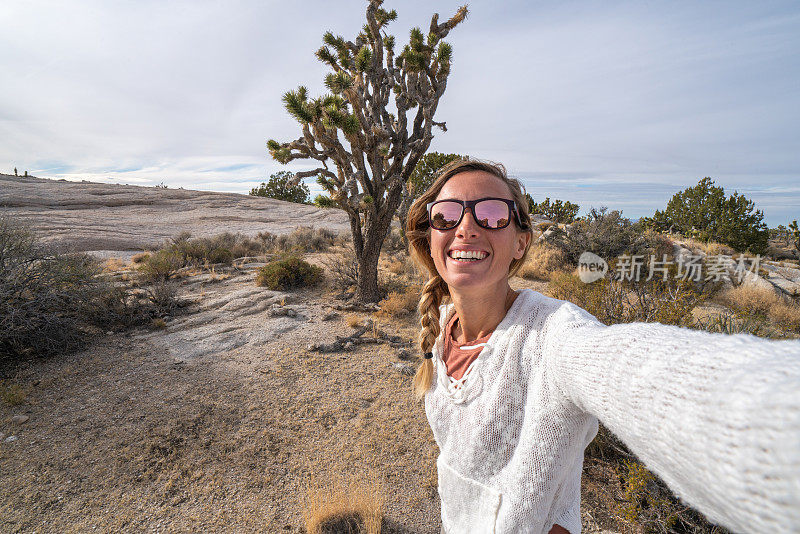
column 716, row 416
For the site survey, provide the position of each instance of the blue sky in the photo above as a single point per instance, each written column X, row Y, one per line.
column 619, row 104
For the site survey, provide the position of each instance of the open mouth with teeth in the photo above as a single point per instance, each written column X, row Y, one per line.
column 467, row 255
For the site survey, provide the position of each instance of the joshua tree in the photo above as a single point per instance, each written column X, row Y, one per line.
column 795, row 233
column 374, row 151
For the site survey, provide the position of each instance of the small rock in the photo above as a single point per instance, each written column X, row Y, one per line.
column 110, row 333
column 404, row 368
column 404, row 355
column 9, row 439
column 347, row 346
column 19, row 419
column 330, row 316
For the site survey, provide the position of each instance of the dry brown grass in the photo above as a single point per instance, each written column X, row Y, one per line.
column 340, row 505
column 543, row 260
column 748, row 300
column 112, row 265
column 12, row 393
column 353, row 320
column 786, row 315
column 399, row 304
column 140, row 257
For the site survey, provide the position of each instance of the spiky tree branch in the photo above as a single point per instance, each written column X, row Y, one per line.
column 374, row 150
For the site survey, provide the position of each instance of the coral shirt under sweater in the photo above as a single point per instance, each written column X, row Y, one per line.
column 716, row 416
column 455, row 356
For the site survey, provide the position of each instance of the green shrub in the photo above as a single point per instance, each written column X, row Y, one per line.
column 705, row 213
column 288, row 273
column 162, row 264
column 557, row 211
column 607, row 234
column 280, row 187
column 306, row 239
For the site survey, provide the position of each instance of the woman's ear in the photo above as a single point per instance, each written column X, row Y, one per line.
column 523, row 238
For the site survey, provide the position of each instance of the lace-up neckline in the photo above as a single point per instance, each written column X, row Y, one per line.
column 470, row 384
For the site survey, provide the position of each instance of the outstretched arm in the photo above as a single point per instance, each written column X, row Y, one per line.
column 716, row 416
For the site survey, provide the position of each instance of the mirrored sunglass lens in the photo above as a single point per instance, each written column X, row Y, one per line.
column 445, row 214
column 492, row 213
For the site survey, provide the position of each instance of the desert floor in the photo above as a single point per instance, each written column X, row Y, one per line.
column 224, row 420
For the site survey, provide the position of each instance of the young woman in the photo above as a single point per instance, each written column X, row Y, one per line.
column 514, row 384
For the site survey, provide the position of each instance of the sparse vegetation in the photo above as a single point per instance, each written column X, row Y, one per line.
column 340, row 507
column 12, row 393
column 401, row 304
column 183, row 250
column 543, row 260
column 342, row 269
column 607, row 234
column 288, row 273
column 613, row 301
column 761, row 302
column 54, row 303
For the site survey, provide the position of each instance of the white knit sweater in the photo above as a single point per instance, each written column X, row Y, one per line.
column 716, row 416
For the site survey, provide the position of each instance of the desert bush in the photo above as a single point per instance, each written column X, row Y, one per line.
column 161, row 264
column 400, row 304
column 760, row 302
column 733, row 323
column 288, row 273
column 543, row 260
column 341, row 506
column 705, row 213
column 53, row 304
column 749, row 300
column 342, row 269
column 306, row 239
column 607, row 234
column 620, row 301
column 140, row 257
column 279, row 186
column 183, row 250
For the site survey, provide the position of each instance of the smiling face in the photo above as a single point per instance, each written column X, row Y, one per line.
column 470, row 257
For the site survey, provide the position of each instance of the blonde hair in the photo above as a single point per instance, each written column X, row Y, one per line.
column 418, row 231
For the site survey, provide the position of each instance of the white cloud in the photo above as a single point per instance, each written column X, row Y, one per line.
column 608, row 94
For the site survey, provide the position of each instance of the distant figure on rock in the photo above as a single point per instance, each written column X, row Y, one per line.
column 15, row 172
column 26, row 174
column 515, row 383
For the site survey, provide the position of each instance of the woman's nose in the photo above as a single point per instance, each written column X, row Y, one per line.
column 467, row 227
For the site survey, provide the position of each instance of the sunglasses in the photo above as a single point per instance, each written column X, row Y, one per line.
column 490, row 213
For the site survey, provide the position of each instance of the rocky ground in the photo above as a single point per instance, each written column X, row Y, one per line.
column 224, row 419
column 113, row 220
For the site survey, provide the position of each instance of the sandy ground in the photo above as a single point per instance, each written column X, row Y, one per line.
column 219, row 421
